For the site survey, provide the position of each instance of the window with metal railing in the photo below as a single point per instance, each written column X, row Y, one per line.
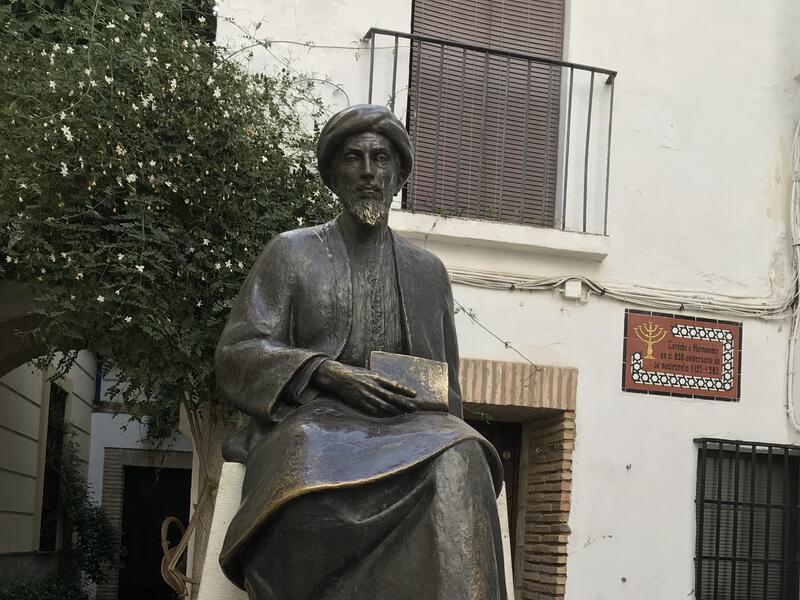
column 748, row 497
column 498, row 134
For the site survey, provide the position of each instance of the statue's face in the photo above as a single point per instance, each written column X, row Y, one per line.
column 367, row 177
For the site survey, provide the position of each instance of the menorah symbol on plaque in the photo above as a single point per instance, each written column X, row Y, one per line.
column 650, row 334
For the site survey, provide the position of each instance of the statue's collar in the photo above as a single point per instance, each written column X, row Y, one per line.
column 336, row 224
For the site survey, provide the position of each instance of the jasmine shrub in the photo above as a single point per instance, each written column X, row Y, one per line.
column 142, row 172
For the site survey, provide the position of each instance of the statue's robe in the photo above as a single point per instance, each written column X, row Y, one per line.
column 338, row 505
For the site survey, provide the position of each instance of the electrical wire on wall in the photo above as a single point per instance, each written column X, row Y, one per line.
column 739, row 306
column 795, row 223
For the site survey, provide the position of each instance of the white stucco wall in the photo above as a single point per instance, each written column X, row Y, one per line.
column 24, row 401
column 705, row 105
column 118, row 431
column 336, row 29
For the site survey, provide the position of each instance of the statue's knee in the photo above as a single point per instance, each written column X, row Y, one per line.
column 467, row 457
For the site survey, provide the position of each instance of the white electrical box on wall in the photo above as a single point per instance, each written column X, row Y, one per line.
column 573, row 289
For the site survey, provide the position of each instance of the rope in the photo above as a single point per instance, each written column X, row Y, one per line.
column 171, row 572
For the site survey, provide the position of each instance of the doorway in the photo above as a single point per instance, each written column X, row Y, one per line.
column 507, row 440
column 150, row 495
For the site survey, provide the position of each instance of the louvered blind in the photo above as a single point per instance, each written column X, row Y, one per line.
column 747, row 522
column 485, row 127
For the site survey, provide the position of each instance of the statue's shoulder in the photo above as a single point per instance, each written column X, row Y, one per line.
column 420, row 258
column 283, row 250
column 296, row 239
column 315, row 233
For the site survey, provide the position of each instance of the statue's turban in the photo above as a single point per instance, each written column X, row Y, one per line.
column 359, row 119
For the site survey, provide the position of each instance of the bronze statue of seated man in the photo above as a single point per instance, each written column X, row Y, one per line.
column 357, row 487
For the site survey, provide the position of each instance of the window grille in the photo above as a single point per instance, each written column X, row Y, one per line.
column 747, row 521
column 54, row 451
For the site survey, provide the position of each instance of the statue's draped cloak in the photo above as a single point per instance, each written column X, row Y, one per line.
column 294, row 311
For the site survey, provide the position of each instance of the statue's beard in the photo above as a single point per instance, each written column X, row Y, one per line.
column 369, row 211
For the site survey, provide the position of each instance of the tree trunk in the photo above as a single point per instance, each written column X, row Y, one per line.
column 207, row 438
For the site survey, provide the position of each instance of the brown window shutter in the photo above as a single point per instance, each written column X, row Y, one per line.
column 485, row 127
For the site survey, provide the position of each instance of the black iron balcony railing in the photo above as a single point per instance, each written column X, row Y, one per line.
column 498, row 135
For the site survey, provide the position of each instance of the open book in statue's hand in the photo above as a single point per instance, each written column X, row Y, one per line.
column 426, row 377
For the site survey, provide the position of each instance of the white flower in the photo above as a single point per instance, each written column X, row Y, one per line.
column 79, row 276
column 131, row 178
column 228, row 264
column 64, row 169
column 70, row 50
column 126, row 18
column 120, row 150
column 210, row 81
column 199, row 303
column 202, row 19
column 226, row 114
column 116, row 292
column 240, row 264
column 72, row 296
column 159, row 14
column 52, row 84
column 206, row 241
column 217, row 266
column 185, row 44
column 111, row 25
column 67, row 133
column 56, row 47
column 264, row 159
column 8, row 258
column 63, row 255
column 146, row 26
column 43, row 271
column 152, row 163
column 101, row 299
column 52, row 258
column 128, row 319
column 108, row 79
column 120, row 256
column 173, row 85
column 92, row 83
column 140, row 268
column 88, row 72
column 116, row 40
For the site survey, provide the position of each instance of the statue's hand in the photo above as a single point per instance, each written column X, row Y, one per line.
column 364, row 389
